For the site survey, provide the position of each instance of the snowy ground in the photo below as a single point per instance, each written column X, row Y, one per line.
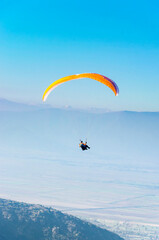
column 130, row 230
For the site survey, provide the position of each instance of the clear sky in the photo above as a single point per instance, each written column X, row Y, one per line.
column 41, row 41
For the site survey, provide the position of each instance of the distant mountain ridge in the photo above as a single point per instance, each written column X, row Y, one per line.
column 22, row 221
column 12, row 106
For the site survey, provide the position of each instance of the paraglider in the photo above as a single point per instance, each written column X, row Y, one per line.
column 98, row 77
column 95, row 76
column 84, row 146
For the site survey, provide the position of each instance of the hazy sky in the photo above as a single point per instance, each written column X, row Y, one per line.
column 41, row 41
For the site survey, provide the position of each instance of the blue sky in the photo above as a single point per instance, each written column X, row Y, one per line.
column 41, row 41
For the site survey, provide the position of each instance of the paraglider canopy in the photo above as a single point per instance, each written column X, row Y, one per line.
column 98, row 77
